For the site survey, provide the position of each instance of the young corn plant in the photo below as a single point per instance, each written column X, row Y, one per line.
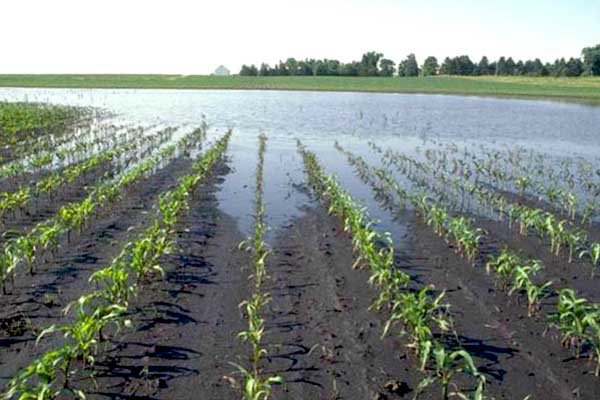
column 107, row 306
column 447, row 364
column 257, row 385
column 572, row 319
column 523, row 283
column 419, row 312
column 593, row 252
column 503, row 267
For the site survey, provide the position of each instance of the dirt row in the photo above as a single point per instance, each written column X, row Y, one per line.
column 322, row 338
column 518, row 354
column 37, row 301
column 46, row 206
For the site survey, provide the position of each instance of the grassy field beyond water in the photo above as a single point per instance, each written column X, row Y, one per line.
column 566, row 88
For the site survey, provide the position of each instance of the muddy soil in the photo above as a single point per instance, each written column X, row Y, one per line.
column 37, row 301
column 321, row 336
column 516, row 352
column 46, row 206
column 326, row 343
column 184, row 341
column 322, row 339
column 578, row 274
column 593, row 230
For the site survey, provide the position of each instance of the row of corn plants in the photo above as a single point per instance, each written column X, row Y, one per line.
column 27, row 249
column 11, row 201
column 523, row 169
column 104, row 312
column 445, row 225
column 577, row 319
column 19, row 121
column 457, row 229
column 80, row 148
column 55, row 138
column 420, row 313
column 514, row 274
column 257, row 385
column 562, row 236
column 537, row 177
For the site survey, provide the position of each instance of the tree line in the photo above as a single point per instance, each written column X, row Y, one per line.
column 375, row 64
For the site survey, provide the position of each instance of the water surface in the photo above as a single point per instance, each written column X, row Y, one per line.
column 400, row 121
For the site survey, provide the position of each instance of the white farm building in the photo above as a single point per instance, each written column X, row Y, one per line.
column 221, row 71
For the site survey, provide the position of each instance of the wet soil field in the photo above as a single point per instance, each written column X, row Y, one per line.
column 322, row 335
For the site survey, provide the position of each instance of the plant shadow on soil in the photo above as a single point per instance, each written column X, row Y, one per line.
column 518, row 354
column 37, row 301
column 322, row 338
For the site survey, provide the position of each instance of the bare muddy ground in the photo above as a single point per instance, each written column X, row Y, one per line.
column 322, row 339
column 325, row 342
column 519, row 357
column 43, row 207
column 37, row 301
column 184, row 341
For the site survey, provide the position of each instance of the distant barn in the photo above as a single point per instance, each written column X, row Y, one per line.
column 221, row 71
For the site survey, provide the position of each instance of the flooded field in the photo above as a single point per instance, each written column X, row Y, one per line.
column 461, row 227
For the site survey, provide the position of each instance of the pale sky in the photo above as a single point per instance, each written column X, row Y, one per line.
column 194, row 37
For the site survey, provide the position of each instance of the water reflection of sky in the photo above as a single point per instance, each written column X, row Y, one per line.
column 319, row 118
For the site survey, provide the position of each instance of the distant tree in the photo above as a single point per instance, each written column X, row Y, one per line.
column 591, row 60
column 332, row 67
column 546, row 71
column 314, row 66
column 483, row 68
column 264, row 70
column 533, row 67
column 574, row 67
column 386, row 67
column 374, row 64
column 304, row 68
column 510, row 66
column 369, row 64
column 280, row 69
column 320, row 67
column 501, row 67
column 448, row 67
column 249, row 70
column 292, row 66
column 559, row 68
column 350, row 69
column 430, row 66
column 464, row 65
column 519, row 68
column 409, row 66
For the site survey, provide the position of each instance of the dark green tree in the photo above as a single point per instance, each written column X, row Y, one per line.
column 448, row 67
column 510, row 66
column 591, row 60
column 533, row 67
column 292, row 66
column 430, row 66
column 464, row 65
column 386, row 67
column 501, row 67
column 369, row 64
column 574, row 67
column 249, row 70
column 483, row 68
column 519, row 68
column 350, row 69
column 559, row 68
column 409, row 66
column 265, row 70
